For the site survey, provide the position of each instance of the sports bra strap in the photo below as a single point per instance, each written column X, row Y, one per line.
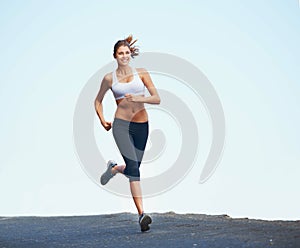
column 114, row 77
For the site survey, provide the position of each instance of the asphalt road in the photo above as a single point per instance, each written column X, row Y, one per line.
column 167, row 230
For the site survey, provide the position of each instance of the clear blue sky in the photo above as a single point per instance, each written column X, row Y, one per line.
column 250, row 52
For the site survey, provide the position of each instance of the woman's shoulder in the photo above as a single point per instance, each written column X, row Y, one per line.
column 108, row 77
column 143, row 73
column 141, row 70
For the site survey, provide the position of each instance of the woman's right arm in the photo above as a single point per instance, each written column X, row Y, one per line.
column 98, row 101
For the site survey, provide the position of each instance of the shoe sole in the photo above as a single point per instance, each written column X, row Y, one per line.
column 146, row 221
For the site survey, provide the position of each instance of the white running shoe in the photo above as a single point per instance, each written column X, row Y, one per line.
column 107, row 175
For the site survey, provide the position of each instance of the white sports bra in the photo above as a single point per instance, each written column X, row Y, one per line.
column 134, row 87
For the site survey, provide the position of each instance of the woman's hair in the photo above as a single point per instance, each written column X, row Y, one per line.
column 129, row 43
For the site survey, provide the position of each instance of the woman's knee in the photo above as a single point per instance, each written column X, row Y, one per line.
column 132, row 170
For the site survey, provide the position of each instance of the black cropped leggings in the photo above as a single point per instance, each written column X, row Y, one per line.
column 131, row 139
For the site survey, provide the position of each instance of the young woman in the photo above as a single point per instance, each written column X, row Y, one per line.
column 130, row 125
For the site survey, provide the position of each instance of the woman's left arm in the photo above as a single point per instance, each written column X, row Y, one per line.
column 153, row 98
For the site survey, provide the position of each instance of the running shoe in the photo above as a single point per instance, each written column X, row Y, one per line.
column 145, row 220
column 107, row 175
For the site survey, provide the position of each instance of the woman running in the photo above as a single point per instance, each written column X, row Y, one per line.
column 130, row 125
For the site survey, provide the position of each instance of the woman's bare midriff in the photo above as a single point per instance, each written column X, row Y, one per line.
column 131, row 111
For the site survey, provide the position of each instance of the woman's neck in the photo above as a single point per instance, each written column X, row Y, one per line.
column 124, row 70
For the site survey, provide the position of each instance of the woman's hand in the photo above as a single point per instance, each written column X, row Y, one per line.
column 106, row 125
column 133, row 98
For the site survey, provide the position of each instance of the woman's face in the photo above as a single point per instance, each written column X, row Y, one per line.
column 123, row 55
